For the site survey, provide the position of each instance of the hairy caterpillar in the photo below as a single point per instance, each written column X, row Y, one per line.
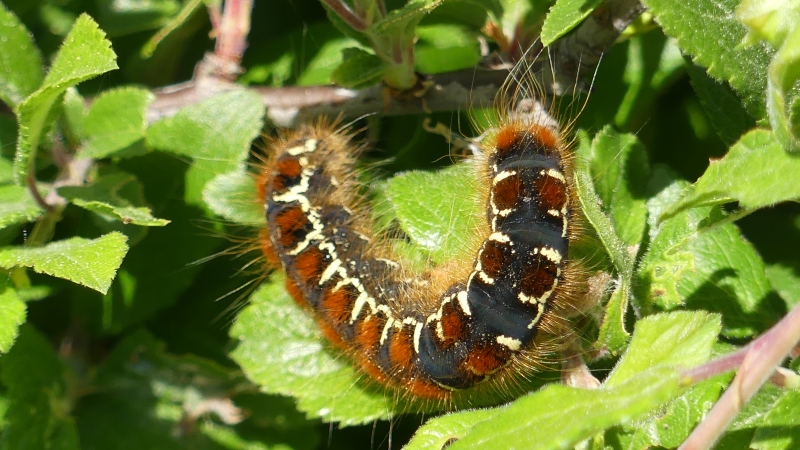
column 458, row 325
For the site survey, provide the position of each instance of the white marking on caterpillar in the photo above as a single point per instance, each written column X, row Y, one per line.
column 500, row 237
column 511, row 343
column 552, row 254
column 463, row 302
column 503, row 175
column 557, row 175
column 308, row 146
column 417, row 334
column 540, row 311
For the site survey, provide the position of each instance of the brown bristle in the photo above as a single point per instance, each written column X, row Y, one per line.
column 545, row 136
column 506, row 138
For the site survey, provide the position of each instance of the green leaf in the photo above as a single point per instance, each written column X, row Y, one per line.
column 442, row 431
column 292, row 55
column 19, row 58
column 722, row 107
column 780, row 428
column 445, row 48
column 292, row 360
column 620, row 170
column 17, row 206
column 754, row 173
column 216, row 133
column 613, row 334
column 769, row 20
column 6, row 170
column 786, row 282
column 37, row 415
column 322, row 65
column 559, row 417
column 708, row 31
column 776, row 22
column 12, row 315
column 84, row 54
column 680, row 417
column 429, row 213
column 678, row 339
column 164, row 394
column 402, row 21
column 742, row 430
column 73, row 116
column 654, row 61
column 92, row 263
column 116, row 196
column 186, row 12
column 564, row 16
column 165, row 263
column 358, row 69
column 115, row 122
column 233, row 196
column 710, row 268
column 123, row 17
column 781, row 107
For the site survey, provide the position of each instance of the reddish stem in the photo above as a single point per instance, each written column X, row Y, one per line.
column 758, row 363
column 230, row 29
column 343, row 10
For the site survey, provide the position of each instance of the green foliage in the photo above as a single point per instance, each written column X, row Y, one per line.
column 17, row 205
column 753, row 173
column 38, row 405
column 215, row 133
column 293, row 361
column 692, row 262
column 709, row 32
column 427, row 210
column 115, row 122
column 564, row 16
column 233, row 196
column 122, row 322
column 12, row 315
column 778, row 429
column 645, row 378
column 85, row 53
column 20, row 58
column 114, row 195
column 92, row 263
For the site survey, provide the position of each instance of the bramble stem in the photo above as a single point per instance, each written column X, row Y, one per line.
column 348, row 15
column 757, row 364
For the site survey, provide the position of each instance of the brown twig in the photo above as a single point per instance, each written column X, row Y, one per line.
column 577, row 54
column 290, row 106
column 573, row 58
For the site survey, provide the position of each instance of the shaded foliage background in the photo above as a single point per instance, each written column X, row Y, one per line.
column 124, row 332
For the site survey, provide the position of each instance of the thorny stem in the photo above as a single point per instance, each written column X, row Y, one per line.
column 756, row 362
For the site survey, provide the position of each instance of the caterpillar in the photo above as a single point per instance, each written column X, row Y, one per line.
column 454, row 327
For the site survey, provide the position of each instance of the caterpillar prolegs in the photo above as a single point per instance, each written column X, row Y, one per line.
column 449, row 329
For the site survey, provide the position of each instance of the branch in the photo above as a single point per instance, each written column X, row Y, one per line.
column 757, row 363
column 291, row 106
column 577, row 54
column 230, row 27
column 574, row 59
